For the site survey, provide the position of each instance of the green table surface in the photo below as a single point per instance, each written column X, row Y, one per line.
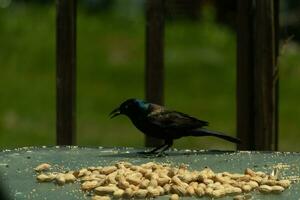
column 19, row 179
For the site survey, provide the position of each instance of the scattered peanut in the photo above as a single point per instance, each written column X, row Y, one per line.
column 153, row 183
column 199, row 191
column 277, row 189
column 265, row 188
column 190, row 191
column 253, row 184
column 144, row 184
column 83, row 172
column 242, row 197
column 153, row 192
column 163, row 181
column 208, row 181
column 141, row 193
column 284, row 183
column 96, row 197
column 125, row 180
column 167, row 188
column 60, row 179
column 69, row 178
column 103, row 190
column 174, row 197
column 246, row 188
column 218, row 193
column 128, row 193
column 123, row 184
column 177, row 189
column 42, row 167
column 89, row 185
column 108, row 170
column 111, row 178
column 250, row 172
column 118, row 193
column 45, row 177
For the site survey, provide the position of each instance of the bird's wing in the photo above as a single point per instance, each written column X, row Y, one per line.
column 175, row 120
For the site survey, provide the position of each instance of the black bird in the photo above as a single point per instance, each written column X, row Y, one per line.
column 156, row 121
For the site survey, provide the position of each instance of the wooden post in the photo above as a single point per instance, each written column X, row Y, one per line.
column 257, row 75
column 265, row 76
column 154, row 72
column 65, row 71
column 245, row 76
column 276, row 71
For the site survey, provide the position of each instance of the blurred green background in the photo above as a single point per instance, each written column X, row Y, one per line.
column 200, row 60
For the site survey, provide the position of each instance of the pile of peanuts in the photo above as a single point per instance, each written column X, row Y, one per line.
column 125, row 180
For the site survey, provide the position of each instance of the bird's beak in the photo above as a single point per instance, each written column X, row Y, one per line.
column 115, row 113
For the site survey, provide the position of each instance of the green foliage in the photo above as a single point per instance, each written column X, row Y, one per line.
column 200, row 78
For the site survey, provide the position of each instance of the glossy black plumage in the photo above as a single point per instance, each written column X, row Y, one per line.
column 155, row 121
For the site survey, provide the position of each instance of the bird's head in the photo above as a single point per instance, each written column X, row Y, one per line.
column 131, row 108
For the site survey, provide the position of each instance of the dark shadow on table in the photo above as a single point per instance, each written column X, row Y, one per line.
column 3, row 193
column 137, row 154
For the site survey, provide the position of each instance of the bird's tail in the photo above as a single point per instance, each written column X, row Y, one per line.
column 205, row 132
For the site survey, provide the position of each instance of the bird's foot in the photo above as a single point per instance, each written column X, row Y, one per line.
column 161, row 154
column 152, row 154
column 147, row 153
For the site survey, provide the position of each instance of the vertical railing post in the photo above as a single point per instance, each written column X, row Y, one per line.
column 276, row 71
column 257, row 81
column 154, row 72
column 65, row 71
column 245, row 75
column 265, row 76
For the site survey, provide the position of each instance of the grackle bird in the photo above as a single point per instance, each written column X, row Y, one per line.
column 158, row 122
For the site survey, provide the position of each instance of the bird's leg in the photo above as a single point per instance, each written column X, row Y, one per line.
column 167, row 145
column 154, row 151
column 157, row 148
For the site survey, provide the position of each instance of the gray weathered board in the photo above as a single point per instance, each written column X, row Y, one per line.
column 19, row 179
